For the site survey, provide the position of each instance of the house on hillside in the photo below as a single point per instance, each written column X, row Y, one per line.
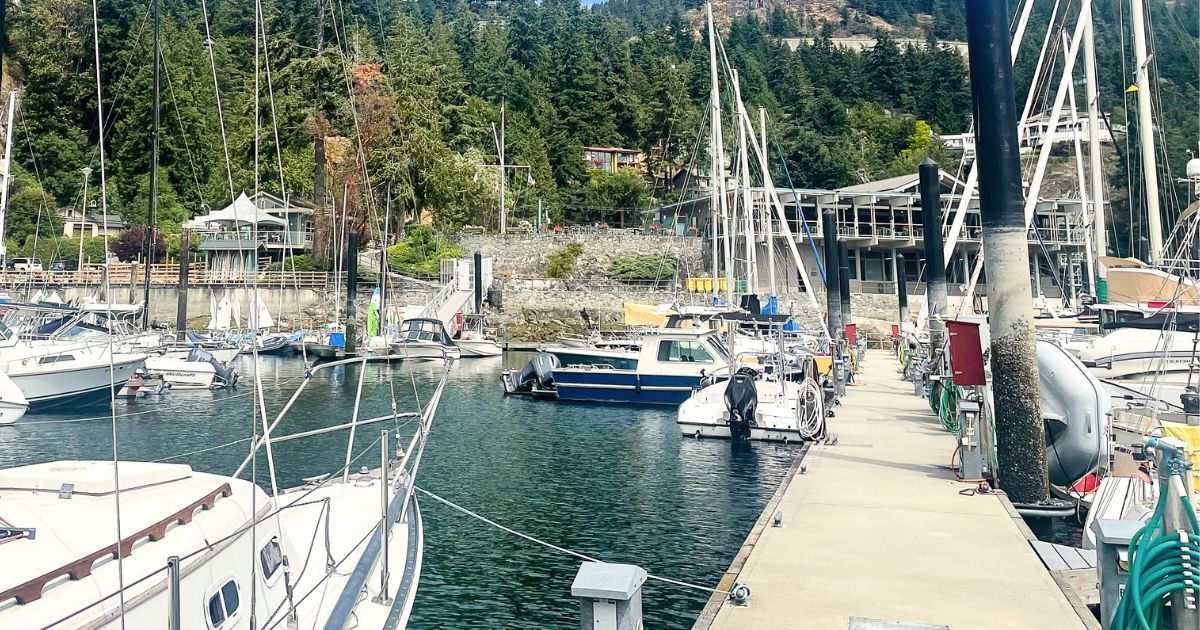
column 90, row 223
column 253, row 232
column 612, row 158
column 1036, row 131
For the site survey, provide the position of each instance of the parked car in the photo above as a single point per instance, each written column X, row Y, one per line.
column 26, row 264
column 58, row 265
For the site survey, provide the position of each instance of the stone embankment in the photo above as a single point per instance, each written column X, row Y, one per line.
column 531, row 307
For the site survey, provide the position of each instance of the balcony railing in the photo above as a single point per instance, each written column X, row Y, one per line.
column 278, row 238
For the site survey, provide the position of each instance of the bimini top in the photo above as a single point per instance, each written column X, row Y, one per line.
column 1186, row 321
column 425, row 329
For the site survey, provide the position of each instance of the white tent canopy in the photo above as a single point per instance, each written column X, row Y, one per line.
column 241, row 211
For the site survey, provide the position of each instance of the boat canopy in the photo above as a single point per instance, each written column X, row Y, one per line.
column 242, row 210
column 1181, row 321
column 425, row 329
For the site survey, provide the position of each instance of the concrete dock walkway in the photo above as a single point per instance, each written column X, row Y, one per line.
column 876, row 529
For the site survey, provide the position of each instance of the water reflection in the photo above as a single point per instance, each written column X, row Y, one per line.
column 618, row 483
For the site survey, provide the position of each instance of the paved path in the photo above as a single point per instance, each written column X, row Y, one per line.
column 876, row 529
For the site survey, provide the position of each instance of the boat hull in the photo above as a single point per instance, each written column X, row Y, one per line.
column 721, row 431
column 182, row 374
column 224, row 355
column 423, row 350
column 479, row 348
column 46, row 389
column 621, row 386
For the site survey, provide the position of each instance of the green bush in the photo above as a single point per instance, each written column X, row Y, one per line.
column 421, row 253
column 561, row 263
column 643, row 267
column 303, row 262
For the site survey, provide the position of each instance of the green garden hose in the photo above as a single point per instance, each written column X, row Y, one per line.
column 1161, row 562
column 943, row 400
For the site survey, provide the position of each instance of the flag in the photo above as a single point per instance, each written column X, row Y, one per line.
column 1131, row 88
column 529, row 179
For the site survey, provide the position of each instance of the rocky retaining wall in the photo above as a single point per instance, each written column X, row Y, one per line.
column 524, row 256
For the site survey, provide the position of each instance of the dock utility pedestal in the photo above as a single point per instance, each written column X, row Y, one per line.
column 610, row 596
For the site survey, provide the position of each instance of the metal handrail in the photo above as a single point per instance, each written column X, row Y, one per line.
column 440, row 298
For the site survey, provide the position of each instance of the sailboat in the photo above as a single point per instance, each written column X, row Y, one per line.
column 194, row 546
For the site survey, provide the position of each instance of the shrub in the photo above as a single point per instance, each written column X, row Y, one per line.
column 303, row 262
column 561, row 263
column 643, row 267
column 421, row 253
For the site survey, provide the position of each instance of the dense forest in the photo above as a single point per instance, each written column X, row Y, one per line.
column 400, row 99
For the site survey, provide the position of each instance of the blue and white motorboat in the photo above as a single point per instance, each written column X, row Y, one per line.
column 669, row 365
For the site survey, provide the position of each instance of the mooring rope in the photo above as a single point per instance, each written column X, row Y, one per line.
column 659, row 578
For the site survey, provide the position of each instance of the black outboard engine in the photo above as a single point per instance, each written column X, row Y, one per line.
column 225, row 375
column 741, row 400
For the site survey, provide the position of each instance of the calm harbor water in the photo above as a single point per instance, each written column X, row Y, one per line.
column 617, row 483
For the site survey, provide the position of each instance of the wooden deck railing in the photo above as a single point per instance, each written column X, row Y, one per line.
column 167, row 275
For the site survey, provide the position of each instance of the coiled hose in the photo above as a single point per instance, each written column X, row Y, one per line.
column 810, row 410
column 943, row 400
column 1160, row 563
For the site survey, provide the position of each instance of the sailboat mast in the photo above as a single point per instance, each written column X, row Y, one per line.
column 744, row 182
column 717, row 146
column 1100, row 237
column 770, row 231
column 1146, row 132
column 500, row 154
column 9, row 123
column 150, row 231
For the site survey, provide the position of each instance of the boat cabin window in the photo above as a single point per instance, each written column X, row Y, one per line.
column 223, row 604
column 719, row 350
column 58, row 358
column 673, row 351
column 271, row 556
column 1109, row 317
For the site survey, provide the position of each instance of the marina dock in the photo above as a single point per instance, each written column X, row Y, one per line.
column 877, row 533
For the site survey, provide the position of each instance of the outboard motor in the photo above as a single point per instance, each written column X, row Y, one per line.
column 543, row 366
column 538, row 372
column 741, row 400
column 227, row 376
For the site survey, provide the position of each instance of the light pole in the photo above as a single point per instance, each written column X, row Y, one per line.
column 87, row 174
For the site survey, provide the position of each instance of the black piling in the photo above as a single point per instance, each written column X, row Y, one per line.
column 833, row 285
column 935, row 257
column 478, row 283
column 184, row 263
column 351, row 292
column 901, row 288
column 844, row 282
column 1020, row 431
